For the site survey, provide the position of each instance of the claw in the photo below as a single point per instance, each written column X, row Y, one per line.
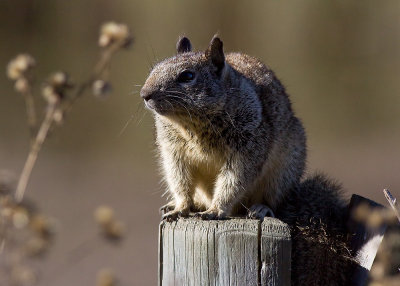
column 175, row 214
column 210, row 215
column 259, row 211
column 166, row 208
column 170, row 216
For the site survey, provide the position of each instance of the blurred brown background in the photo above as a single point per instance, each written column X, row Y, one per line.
column 340, row 61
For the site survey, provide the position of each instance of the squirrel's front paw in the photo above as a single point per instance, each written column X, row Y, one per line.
column 167, row 208
column 175, row 214
column 211, row 214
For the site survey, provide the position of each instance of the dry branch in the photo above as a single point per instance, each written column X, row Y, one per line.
column 393, row 203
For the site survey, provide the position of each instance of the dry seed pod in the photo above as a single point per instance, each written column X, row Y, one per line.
column 56, row 87
column 104, row 40
column 110, row 227
column 361, row 213
column 114, row 230
column 58, row 116
column 375, row 219
column 42, row 225
column 101, row 88
column 19, row 66
column 6, row 212
column 106, row 277
column 104, row 215
column 21, row 85
column 50, row 95
column 377, row 271
column 114, row 32
column 12, row 72
column 23, row 62
column 59, row 79
column 20, row 217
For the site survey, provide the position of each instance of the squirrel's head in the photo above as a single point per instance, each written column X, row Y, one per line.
column 188, row 84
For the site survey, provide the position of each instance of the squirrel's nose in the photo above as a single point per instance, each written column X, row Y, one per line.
column 146, row 93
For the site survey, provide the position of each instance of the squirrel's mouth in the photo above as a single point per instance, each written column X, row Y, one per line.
column 158, row 105
column 163, row 103
column 150, row 104
column 152, row 99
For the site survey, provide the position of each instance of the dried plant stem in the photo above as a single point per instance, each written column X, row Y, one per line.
column 37, row 143
column 105, row 59
column 31, row 114
column 34, row 151
column 100, row 67
column 393, row 203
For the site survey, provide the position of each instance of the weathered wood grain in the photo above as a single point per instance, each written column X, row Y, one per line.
column 275, row 263
column 226, row 252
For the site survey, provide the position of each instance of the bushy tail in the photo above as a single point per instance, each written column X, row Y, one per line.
column 316, row 213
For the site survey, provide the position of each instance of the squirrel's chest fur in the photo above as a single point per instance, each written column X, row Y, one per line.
column 200, row 157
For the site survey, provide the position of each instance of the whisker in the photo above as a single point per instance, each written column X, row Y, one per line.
column 141, row 118
column 172, row 94
column 141, row 110
column 169, row 91
column 217, row 132
column 172, row 106
column 126, row 125
column 179, row 92
column 155, row 58
column 187, row 110
column 149, row 62
column 133, row 117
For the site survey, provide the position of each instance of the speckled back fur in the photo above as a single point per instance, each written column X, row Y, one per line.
column 317, row 215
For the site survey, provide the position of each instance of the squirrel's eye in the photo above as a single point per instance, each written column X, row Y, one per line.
column 185, row 76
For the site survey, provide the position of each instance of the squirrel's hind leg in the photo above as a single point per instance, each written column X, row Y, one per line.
column 259, row 211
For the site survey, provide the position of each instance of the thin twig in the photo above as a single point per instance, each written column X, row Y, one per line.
column 34, row 151
column 393, row 203
column 31, row 113
column 97, row 72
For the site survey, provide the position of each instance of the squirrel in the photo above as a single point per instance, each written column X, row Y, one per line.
column 226, row 132
column 230, row 142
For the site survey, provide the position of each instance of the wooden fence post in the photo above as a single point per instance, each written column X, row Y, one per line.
column 224, row 252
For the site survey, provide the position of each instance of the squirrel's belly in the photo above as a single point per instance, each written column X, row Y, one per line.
column 204, row 177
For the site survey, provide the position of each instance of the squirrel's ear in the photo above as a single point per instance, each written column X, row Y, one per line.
column 215, row 53
column 183, row 45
